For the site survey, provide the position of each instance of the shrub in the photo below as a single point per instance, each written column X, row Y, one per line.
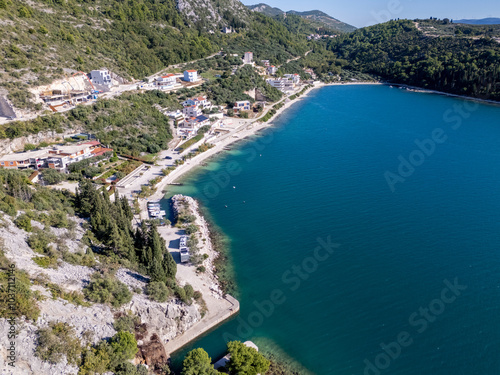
column 26, row 302
column 158, row 291
column 46, row 262
column 126, row 323
column 181, row 294
column 191, row 228
column 56, row 342
column 80, row 259
column 29, row 147
column 128, row 368
column 58, row 219
column 189, row 291
column 52, row 177
column 105, row 289
column 39, row 241
column 23, row 221
column 201, row 269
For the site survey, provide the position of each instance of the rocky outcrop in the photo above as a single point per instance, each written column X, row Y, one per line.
column 212, row 13
column 161, row 322
column 26, row 363
column 16, row 144
column 167, row 320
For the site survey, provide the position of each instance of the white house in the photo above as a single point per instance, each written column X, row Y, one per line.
column 200, row 101
column 193, row 124
column 227, row 30
column 295, row 78
column 266, row 63
column 166, row 82
column 242, row 105
column 190, row 75
column 192, row 111
column 282, row 84
column 56, row 157
column 271, row 70
column 100, row 77
column 248, row 58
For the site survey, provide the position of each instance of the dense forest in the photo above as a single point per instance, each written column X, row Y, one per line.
column 398, row 52
column 231, row 88
column 133, row 39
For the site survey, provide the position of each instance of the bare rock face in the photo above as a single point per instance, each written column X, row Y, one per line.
column 26, row 363
column 161, row 321
column 68, row 276
column 167, row 320
column 16, row 144
column 211, row 12
column 97, row 318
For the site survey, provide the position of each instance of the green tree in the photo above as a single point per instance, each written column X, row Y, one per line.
column 124, row 347
column 52, row 177
column 157, row 291
column 246, row 360
column 197, row 362
column 169, row 266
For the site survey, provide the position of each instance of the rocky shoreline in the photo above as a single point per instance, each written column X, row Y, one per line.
column 162, row 322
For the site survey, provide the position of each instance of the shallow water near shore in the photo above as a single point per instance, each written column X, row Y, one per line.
column 414, row 270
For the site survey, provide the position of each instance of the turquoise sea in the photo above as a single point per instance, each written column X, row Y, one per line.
column 364, row 234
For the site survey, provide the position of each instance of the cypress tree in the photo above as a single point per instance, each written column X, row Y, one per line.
column 169, row 266
column 156, row 271
column 156, row 243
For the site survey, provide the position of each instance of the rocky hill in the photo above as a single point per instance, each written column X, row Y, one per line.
column 315, row 18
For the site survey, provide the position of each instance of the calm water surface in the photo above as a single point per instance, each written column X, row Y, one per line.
column 328, row 173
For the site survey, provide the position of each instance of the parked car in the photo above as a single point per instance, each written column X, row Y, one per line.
column 168, row 157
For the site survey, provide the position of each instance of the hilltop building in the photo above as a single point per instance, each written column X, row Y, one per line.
column 191, row 75
column 166, row 82
column 271, row 70
column 100, row 77
column 248, row 58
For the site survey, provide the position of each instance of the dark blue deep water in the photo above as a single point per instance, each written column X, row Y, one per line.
column 395, row 240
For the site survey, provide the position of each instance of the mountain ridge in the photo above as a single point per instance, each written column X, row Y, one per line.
column 315, row 17
column 482, row 21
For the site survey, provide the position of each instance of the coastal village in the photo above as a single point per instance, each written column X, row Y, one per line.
column 199, row 125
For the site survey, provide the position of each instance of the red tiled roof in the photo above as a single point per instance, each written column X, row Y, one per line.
column 190, row 71
column 168, row 75
column 92, row 143
column 100, row 151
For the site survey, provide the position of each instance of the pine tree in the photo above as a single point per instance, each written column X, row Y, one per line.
column 156, row 271
column 156, row 244
column 169, row 266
